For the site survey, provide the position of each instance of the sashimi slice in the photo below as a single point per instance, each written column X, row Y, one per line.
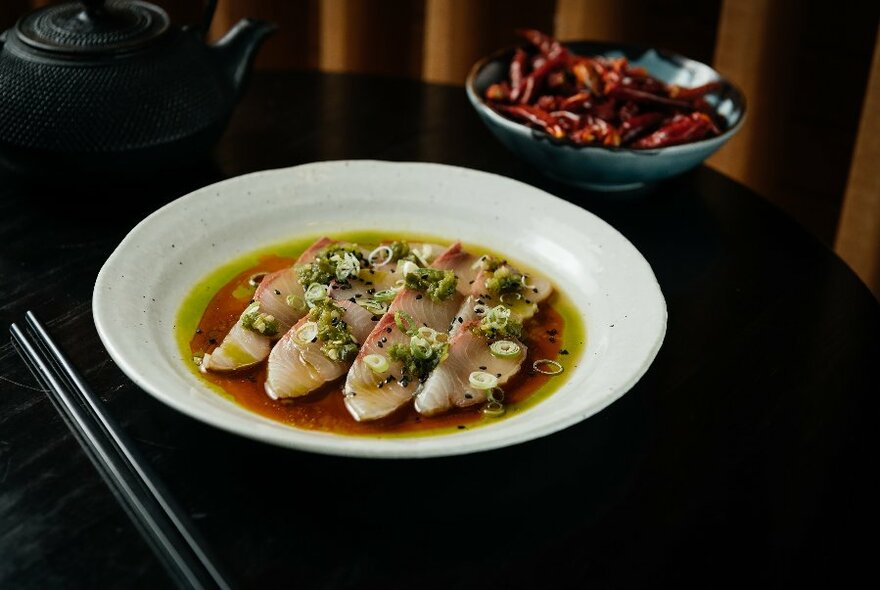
column 242, row 348
column 297, row 368
column 370, row 395
column 449, row 385
column 276, row 292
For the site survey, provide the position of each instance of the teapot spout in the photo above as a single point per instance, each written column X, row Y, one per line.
column 238, row 48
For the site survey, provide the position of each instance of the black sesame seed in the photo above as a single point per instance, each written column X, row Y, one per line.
column 553, row 332
column 563, row 351
column 388, row 330
column 552, row 339
column 534, row 290
column 375, row 318
column 384, row 339
column 212, row 341
column 358, row 295
column 483, row 368
column 498, row 375
column 277, row 292
column 481, row 302
column 352, row 299
column 418, row 296
column 370, row 291
column 198, row 330
column 461, row 427
column 381, row 345
column 315, row 339
column 528, row 300
column 468, row 396
column 460, row 320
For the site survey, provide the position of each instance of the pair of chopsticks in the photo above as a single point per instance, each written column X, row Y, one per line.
column 145, row 499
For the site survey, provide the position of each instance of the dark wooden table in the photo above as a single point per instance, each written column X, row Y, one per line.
column 746, row 455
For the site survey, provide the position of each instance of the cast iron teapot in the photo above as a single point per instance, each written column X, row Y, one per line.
column 112, row 88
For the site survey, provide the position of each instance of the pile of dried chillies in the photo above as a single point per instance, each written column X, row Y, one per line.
column 599, row 100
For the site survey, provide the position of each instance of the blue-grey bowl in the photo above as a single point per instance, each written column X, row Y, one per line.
column 601, row 167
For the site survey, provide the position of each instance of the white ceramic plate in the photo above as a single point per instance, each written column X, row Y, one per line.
column 141, row 286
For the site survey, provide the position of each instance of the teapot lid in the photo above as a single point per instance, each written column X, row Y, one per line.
column 94, row 27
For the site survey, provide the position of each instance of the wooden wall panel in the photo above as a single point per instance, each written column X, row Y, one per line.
column 294, row 44
column 682, row 26
column 375, row 36
column 459, row 32
column 804, row 91
column 858, row 235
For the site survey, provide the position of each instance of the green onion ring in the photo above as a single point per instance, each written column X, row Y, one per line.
column 541, row 362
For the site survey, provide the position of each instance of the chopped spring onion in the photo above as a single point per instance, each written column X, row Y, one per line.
column 541, row 366
column 256, row 321
column 347, row 265
column 432, row 335
column 295, row 302
column 386, row 296
column 421, row 348
column 510, row 298
column 504, row 349
column 405, row 322
column 404, row 267
column 482, row 380
column 376, row 362
column 315, row 293
column 373, row 306
column 494, row 408
column 497, row 317
column 257, row 279
column 525, row 284
column 307, row 332
column 479, row 262
column 380, row 256
column 424, row 254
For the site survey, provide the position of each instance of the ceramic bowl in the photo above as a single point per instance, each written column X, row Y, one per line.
column 609, row 168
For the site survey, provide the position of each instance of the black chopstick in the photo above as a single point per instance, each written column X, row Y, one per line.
column 148, row 503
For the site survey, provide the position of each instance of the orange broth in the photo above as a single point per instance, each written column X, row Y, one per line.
column 324, row 409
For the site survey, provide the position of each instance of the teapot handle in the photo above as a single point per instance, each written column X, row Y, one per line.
column 207, row 18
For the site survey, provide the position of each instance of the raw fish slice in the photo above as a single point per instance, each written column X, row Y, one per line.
column 463, row 263
column 523, row 305
column 449, row 385
column 273, row 293
column 242, row 348
column 435, row 315
column 370, row 395
column 297, row 368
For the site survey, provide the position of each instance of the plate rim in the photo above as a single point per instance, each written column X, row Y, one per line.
column 337, row 445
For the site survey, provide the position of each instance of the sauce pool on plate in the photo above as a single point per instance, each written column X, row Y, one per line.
column 216, row 303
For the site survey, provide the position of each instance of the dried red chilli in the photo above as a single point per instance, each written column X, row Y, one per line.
column 599, row 100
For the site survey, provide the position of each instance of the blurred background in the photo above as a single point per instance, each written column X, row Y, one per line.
column 810, row 71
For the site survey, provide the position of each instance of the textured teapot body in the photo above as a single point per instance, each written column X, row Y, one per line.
column 161, row 106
